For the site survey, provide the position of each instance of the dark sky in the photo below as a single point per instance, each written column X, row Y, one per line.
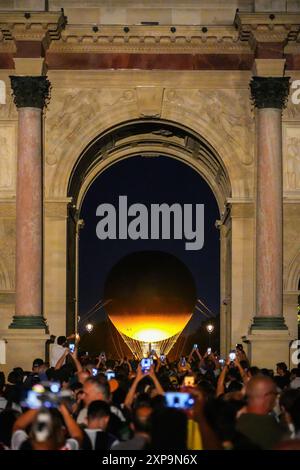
column 147, row 180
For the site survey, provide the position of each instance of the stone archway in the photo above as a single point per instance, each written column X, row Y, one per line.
column 149, row 137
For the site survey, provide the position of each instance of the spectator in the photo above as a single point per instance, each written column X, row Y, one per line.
column 96, row 435
column 282, row 379
column 140, row 426
column 46, row 430
column 255, row 421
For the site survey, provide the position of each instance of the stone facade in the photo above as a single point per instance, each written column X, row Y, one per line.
column 193, row 70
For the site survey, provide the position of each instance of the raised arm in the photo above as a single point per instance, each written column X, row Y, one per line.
column 131, row 392
column 158, row 387
column 25, row 420
column 221, row 380
column 61, row 360
column 73, row 429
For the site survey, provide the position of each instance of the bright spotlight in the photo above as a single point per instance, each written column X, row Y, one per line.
column 89, row 327
column 210, row 328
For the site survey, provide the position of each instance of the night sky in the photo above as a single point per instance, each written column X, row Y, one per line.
column 147, row 180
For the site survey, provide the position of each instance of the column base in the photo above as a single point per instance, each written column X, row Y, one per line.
column 22, row 347
column 29, row 323
column 268, row 347
column 268, row 323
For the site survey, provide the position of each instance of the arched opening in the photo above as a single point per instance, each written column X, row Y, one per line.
column 128, row 142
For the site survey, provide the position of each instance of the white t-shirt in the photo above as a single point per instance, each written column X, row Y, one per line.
column 56, row 351
column 21, row 436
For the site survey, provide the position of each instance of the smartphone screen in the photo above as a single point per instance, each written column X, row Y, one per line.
column 232, row 355
column 94, row 371
column 110, row 374
column 195, row 346
column 145, row 364
column 179, row 400
column 208, row 350
column 72, row 347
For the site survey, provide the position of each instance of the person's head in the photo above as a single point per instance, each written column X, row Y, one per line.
column 98, row 415
column 141, row 419
column 261, row 394
column 169, row 429
column 48, row 430
column 253, row 371
column 61, row 340
column 37, row 365
column 281, row 368
column 95, row 390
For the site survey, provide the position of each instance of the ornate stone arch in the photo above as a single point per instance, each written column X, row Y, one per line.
column 145, row 137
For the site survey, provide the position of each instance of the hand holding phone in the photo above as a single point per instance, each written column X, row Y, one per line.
column 232, row 356
column 181, row 400
column 145, row 365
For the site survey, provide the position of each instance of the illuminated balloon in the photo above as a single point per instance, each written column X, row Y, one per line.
column 152, row 296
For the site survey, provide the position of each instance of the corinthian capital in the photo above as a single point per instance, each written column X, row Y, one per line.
column 269, row 92
column 30, row 91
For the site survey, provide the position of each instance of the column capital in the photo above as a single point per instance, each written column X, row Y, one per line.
column 30, row 92
column 269, row 92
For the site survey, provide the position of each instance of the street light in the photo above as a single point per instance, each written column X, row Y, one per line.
column 89, row 327
column 210, row 328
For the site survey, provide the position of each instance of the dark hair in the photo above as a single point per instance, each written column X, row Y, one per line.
column 254, row 371
column 61, row 340
column 37, row 362
column 282, row 366
column 169, row 429
column 98, row 409
column 141, row 424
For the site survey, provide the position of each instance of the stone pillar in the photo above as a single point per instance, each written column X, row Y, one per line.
column 30, row 94
column 269, row 335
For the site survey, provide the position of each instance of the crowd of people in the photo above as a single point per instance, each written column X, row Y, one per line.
column 197, row 402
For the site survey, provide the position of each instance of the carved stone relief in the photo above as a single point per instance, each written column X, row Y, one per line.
column 7, row 156
column 291, row 160
column 71, row 111
column 228, row 113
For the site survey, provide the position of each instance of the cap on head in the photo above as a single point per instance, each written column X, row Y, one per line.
column 37, row 363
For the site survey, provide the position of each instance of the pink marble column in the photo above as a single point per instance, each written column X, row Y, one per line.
column 269, row 95
column 30, row 94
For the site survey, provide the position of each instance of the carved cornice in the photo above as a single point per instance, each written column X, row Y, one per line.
column 30, row 91
column 269, row 92
column 266, row 27
column 33, row 26
column 142, row 38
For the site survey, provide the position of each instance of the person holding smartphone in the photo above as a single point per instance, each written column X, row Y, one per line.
column 47, row 430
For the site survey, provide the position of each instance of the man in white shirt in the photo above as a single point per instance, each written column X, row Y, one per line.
column 58, row 348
